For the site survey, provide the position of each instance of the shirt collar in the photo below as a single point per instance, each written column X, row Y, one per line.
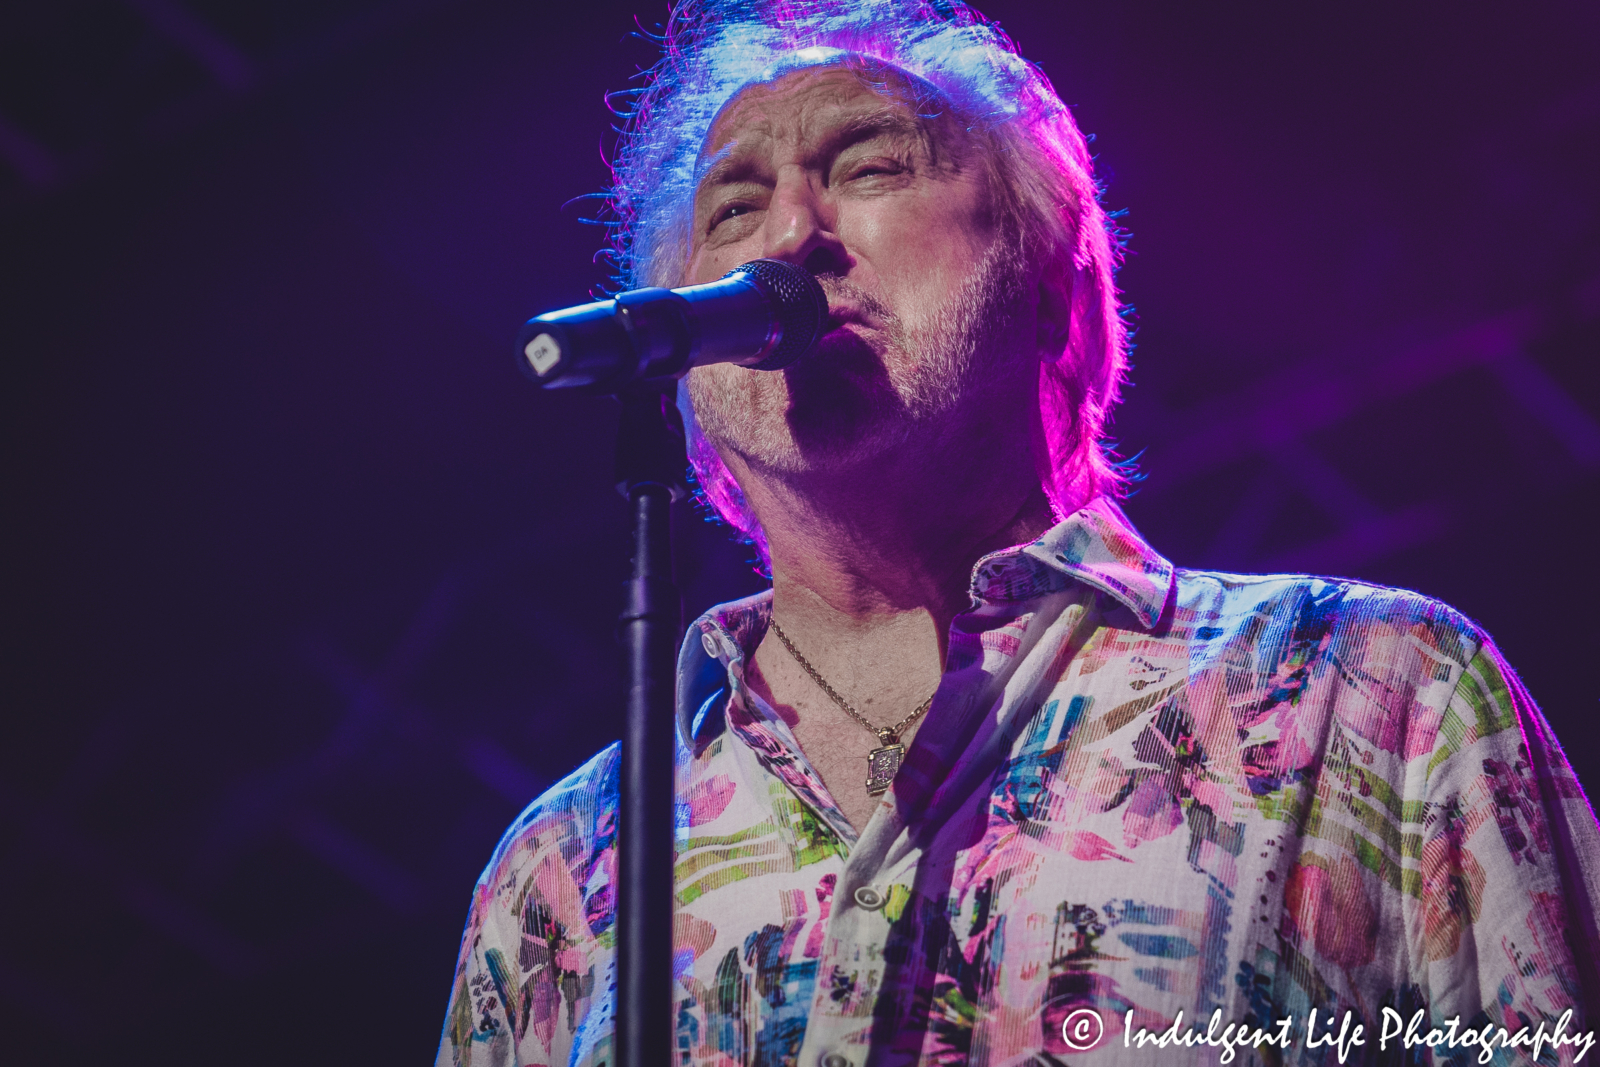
column 1096, row 545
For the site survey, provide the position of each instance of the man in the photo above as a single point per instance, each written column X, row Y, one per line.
column 984, row 779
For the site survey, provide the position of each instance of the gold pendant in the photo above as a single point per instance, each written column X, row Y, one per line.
column 882, row 763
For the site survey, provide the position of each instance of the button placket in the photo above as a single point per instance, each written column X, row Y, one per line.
column 854, row 946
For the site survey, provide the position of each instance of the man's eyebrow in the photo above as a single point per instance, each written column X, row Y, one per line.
column 882, row 122
column 727, row 167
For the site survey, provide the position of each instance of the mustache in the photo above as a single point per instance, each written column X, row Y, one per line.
column 841, row 292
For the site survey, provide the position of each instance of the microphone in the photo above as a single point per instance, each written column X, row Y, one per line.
column 763, row 315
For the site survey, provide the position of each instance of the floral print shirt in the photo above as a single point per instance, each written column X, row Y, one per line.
column 1139, row 791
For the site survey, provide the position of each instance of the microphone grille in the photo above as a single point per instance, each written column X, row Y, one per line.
column 799, row 302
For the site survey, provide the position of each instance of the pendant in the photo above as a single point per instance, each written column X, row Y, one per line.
column 882, row 763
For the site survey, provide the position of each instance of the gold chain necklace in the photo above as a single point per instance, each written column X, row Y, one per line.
column 883, row 762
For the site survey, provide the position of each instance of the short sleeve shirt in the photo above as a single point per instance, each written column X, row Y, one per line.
column 1143, row 799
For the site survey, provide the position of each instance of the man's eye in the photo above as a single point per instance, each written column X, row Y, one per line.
column 876, row 169
column 732, row 211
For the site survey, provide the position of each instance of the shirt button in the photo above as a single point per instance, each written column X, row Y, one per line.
column 872, row 900
column 709, row 643
column 834, row 1059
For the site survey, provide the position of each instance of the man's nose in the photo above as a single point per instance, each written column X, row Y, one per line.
column 800, row 227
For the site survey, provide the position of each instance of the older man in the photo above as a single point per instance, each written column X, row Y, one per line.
column 983, row 778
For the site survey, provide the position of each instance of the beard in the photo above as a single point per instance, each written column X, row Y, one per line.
column 847, row 404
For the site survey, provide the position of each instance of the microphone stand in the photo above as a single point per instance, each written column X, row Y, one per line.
column 651, row 466
column 771, row 312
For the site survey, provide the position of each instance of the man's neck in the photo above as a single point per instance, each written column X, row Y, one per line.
column 897, row 535
column 870, row 566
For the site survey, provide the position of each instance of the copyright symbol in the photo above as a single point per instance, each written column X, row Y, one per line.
column 1082, row 1029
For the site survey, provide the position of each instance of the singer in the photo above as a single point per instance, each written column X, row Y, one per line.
column 982, row 763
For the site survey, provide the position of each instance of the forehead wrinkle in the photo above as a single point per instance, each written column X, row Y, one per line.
column 821, row 133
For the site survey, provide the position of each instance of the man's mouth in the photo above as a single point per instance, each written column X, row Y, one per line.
column 840, row 316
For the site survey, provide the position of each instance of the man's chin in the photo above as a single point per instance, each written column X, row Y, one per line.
column 841, row 411
column 839, row 435
column 842, row 404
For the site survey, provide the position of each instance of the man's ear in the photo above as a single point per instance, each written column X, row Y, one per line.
column 1055, row 310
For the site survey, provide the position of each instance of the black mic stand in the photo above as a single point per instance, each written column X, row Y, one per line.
column 770, row 312
column 651, row 466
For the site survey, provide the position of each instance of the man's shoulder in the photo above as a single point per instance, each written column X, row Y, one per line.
column 574, row 820
column 1215, row 605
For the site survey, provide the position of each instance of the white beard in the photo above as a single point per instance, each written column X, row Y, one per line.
column 845, row 405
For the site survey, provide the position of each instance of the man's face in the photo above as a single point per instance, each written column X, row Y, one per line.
column 892, row 212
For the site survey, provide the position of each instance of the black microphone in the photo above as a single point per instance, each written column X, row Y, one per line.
column 763, row 315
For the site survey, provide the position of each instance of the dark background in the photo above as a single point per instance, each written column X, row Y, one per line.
column 309, row 593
